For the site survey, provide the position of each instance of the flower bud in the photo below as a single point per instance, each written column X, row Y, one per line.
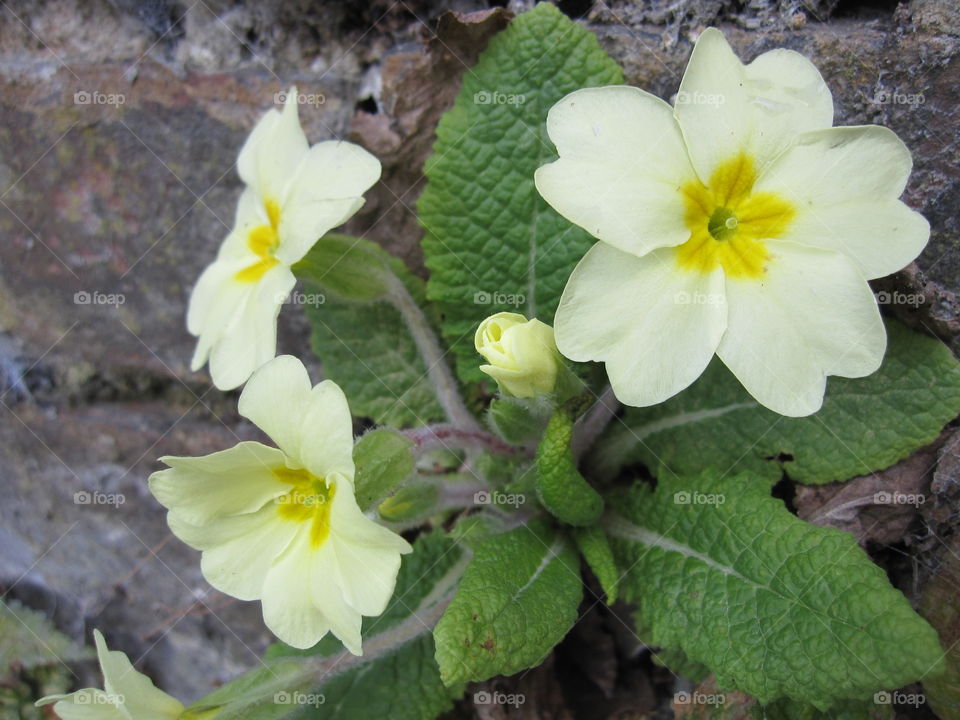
column 521, row 353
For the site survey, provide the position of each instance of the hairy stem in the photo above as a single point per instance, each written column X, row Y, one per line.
column 438, row 372
column 436, row 437
column 593, row 422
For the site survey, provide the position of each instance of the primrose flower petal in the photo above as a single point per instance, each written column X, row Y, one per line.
column 294, row 194
column 753, row 240
column 606, row 165
column 282, row 524
column 598, row 319
column 522, row 354
column 725, row 108
column 127, row 693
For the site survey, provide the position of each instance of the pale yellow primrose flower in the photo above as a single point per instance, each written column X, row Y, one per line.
column 294, row 194
column 738, row 222
column 521, row 353
column 127, row 694
column 283, row 525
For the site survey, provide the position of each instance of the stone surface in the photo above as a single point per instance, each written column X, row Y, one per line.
column 119, row 126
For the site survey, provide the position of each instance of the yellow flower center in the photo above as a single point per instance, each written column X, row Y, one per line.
column 263, row 241
column 308, row 501
column 729, row 222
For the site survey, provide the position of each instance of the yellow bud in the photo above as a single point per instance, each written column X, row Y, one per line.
column 521, row 353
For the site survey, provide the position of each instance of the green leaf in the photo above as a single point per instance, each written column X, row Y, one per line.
column 491, row 242
column 593, row 545
column 519, row 421
column 366, row 347
column 772, row 605
column 517, row 599
column 30, row 640
column 843, row 710
column 560, row 486
column 384, row 460
column 865, row 424
column 416, row 500
column 396, row 677
column 352, row 268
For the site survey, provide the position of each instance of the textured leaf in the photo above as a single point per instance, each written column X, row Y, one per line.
column 593, row 545
column 352, row 268
column 384, row 459
column 517, row 599
column 560, row 486
column 366, row 348
column 865, row 424
column 491, row 242
column 773, row 606
column 30, row 640
column 396, row 677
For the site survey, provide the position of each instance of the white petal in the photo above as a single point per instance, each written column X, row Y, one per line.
column 214, row 302
column 238, row 480
column 811, row 316
column 289, row 609
column 328, row 593
column 240, row 550
column 326, row 190
column 86, row 704
column 656, row 326
column 327, row 433
column 844, row 183
column 250, row 339
column 622, row 160
column 368, row 575
column 350, row 525
column 273, row 150
column 724, row 108
column 276, row 400
column 139, row 695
